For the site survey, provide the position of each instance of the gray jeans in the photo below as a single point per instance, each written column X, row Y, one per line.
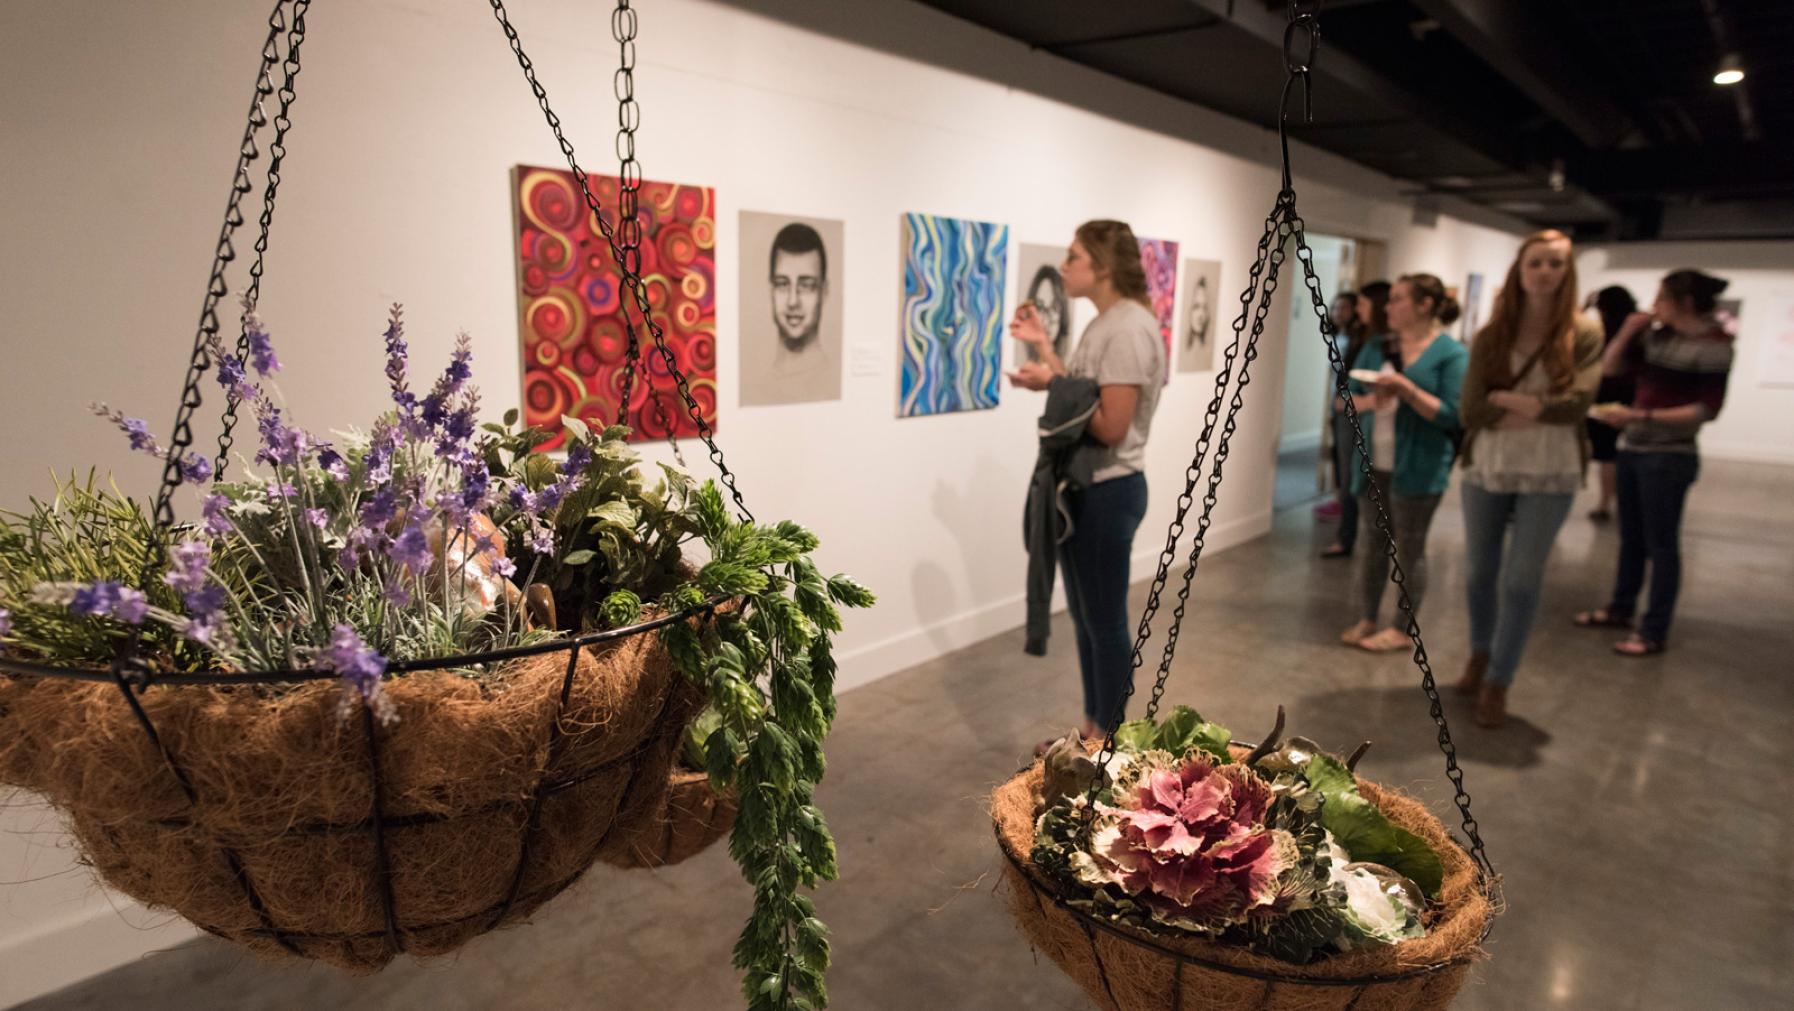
column 1411, row 516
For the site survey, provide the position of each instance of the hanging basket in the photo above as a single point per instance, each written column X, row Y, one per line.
column 689, row 821
column 1124, row 968
column 313, row 835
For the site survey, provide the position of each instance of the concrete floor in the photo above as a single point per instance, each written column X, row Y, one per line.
column 1639, row 810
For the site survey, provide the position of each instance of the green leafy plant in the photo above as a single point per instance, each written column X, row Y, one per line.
column 87, row 531
column 770, row 671
column 1275, row 849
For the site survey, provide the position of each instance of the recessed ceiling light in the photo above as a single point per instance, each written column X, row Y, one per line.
column 1731, row 70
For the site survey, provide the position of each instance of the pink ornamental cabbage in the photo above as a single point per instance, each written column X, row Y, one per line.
column 1190, row 844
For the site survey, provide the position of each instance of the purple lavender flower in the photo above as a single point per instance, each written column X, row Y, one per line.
column 96, row 599
column 579, row 457
column 187, row 565
column 380, row 450
column 277, row 490
column 214, row 510
column 524, row 501
column 541, row 540
column 109, row 598
column 378, row 509
column 230, row 371
column 317, row 518
column 261, row 348
column 333, row 462
column 196, row 469
column 360, row 668
column 282, row 444
column 398, row 595
column 504, row 566
column 476, row 486
column 397, row 359
column 411, row 549
column 5, row 621
column 132, row 606
column 135, row 429
column 210, row 630
column 349, row 558
column 207, row 601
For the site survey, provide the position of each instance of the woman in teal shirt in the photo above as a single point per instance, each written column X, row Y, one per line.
column 1410, row 419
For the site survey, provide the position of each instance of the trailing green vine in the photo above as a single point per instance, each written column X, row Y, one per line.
column 769, row 669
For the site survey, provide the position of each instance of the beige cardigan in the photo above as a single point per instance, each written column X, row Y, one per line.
column 1565, row 407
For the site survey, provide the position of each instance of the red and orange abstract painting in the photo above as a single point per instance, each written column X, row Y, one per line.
column 570, row 303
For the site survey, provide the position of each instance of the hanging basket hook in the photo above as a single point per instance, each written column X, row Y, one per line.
column 1301, row 43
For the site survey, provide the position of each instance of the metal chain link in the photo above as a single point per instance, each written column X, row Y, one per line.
column 223, row 254
column 1254, row 306
column 629, row 181
column 631, row 278
column 623, row 24
column 1284, row 223
column 277, row 152
column 1435, row 706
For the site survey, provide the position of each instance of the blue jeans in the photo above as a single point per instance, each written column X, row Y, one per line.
column 1653, row 487
column 1504, row 593
column 1095, row 562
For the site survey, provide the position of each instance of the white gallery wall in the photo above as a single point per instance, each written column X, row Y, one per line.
column 1759, row 408
column 120, row 121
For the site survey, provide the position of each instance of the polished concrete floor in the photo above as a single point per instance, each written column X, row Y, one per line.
column 1639, row 810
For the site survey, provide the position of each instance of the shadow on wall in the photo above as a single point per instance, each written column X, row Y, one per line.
column 937, row 605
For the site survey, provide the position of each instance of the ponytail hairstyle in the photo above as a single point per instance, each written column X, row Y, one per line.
column 1116, row 254
column 1559, row 356
column 1700, row 289
column 1428, row 288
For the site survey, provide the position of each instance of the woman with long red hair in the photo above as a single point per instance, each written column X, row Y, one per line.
column 1533, row 373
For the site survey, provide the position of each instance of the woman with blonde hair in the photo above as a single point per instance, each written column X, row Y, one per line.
column 1533, row 373
column 1120, row 365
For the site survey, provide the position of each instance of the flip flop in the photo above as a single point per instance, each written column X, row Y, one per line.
column 1638, row 646
column 1599, row 618
column 1387, row 641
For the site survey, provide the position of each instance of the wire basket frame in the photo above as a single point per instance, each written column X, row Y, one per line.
column 133, row 675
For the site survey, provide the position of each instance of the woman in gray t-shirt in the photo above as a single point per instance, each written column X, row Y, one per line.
column 1124, row 352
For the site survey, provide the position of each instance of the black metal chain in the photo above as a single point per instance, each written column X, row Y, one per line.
column 631, row 278
column 1284, row 224
column 623, row 25
column 1254, row 307
column 277, row 152
column 224, row 252
column 629, row 182
column 1435, row 706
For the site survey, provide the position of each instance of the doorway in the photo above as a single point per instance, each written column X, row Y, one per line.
column 1304, row 474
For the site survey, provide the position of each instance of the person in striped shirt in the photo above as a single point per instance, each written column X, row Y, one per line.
column 1679, row 356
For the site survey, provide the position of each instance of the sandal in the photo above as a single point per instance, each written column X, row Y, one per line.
column 1637, row 645
column 1600, row 617
column 1387, row 641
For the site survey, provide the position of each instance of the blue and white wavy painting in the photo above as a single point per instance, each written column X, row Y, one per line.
column 953, row 276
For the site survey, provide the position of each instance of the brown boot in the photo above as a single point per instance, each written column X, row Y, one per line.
column 1472, row 681
column 1491, row 705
